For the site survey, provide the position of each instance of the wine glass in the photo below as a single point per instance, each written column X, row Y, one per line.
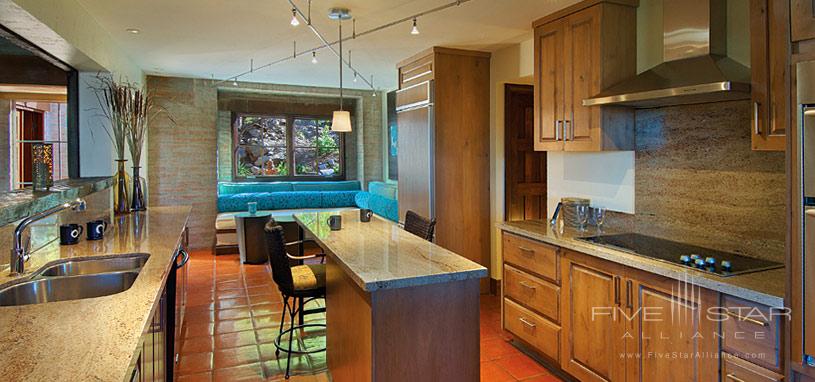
column 599, row 214
column 582, row 215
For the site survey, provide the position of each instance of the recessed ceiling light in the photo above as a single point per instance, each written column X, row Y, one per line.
column 133, row 30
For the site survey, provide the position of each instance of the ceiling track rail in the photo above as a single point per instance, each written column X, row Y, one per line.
column 330, row 45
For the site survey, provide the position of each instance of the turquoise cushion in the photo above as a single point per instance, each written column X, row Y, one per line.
column 238, row 202
column 362, row 198
column 387, row 208
column 295, row 199
column 231, row 188
column 334, row 199
column 346, row 185
column 382, row 189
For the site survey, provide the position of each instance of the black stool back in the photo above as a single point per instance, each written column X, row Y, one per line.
column 419, row 225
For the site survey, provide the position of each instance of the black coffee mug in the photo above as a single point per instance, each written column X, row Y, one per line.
column 365, row 215
column 69, row 233
column 96, row 229
column 335, row 222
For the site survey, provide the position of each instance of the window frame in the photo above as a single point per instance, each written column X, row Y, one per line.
column 290, row 165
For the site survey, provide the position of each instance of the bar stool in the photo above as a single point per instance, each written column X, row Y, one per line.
column 298, row 284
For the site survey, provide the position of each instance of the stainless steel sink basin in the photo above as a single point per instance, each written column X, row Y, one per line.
column 66, row 288
column 95, row 266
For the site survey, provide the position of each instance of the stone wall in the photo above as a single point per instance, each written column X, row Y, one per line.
column 182, row 153
column 698, row 181
column 189, row 156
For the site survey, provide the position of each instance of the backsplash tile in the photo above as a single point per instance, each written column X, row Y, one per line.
column 698, row 181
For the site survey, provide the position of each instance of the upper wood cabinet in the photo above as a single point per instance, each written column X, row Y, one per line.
column 578, row 52
column 803, row 19
column 770, row 67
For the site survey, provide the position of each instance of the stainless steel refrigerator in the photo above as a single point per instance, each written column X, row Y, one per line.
column 414, row 114
column 805, row 78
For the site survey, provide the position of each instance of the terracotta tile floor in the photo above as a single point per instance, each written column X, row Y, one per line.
column 233, row 315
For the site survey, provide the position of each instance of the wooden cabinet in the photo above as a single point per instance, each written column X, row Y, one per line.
column 770, row 67
column 802, row 20
column 671, row 324
column 578, row 52
column 442, row 110
column 594, row 335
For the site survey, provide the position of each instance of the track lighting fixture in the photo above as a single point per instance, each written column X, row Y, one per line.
column 294, row 21
column 415, row 29
column 235, row 82
column 313, row 57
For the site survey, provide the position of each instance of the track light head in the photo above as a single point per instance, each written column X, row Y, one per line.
column 313, row 57
column 415, row 30
column 294, row 21
column 235, row 82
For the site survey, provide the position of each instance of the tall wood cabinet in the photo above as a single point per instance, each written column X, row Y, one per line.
column 770, row 74
column 442, row 107
column 578, row 52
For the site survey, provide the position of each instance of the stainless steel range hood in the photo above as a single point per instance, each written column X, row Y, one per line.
column 696, row 67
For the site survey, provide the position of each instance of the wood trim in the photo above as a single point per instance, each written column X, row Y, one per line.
column 442, row 50
column 578, row 7
column 44, row 97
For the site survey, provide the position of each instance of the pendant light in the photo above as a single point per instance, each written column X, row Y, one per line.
column 341, row 122
column 294, row 21
column 415, row 29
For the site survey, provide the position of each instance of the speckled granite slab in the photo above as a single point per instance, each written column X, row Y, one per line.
column 16, row 205
column 381, row 255
column 94, row 339
column 765, row 287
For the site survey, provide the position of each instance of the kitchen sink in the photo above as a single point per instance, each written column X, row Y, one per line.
column 66, row 288
column 95, row 266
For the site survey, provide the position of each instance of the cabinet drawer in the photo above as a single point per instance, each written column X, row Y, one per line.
column 413, row 96
column 535, row 330
column 532, row 256
column 532, row 292
column 419, row 71
column 738, row 370
column 751, row 332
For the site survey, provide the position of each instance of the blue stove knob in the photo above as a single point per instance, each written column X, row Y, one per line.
column 694, row 257
column 726, row 266
column 710, row 260
column 700, row 263
column 684, row 259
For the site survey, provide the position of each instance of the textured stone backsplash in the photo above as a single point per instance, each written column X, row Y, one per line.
column 699, row 182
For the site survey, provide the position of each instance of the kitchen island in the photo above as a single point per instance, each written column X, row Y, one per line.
column 398, row 308
column 92, row 339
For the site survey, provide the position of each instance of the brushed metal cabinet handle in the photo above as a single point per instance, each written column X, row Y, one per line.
column 527, row 250
column 526, row 322
column 629, row 299
column 747, row 319
column 756, row 122
column 527, row 286
column 617, row 290
column 734, row 378
column 557, row 130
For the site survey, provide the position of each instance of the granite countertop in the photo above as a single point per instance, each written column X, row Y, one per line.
column 94, row 339
column 381, row 255
column 15, row 205
column 764, row 287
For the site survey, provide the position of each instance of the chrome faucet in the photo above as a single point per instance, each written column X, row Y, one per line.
column 20, row 253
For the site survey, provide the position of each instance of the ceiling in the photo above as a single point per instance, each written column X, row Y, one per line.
column 204, row 38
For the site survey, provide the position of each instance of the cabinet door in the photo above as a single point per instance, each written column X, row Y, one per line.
column 549, row 87
column 671, row 331
column 802, row 20
column 770, row 84
column 582, row 76
column 593, row 339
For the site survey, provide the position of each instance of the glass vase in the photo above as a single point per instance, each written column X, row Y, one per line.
column 137, row 201
column 121, row 201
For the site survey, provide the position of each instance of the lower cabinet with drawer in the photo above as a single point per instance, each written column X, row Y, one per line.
column 598, row 320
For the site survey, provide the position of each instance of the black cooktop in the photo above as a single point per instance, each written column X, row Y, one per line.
column 702, row 259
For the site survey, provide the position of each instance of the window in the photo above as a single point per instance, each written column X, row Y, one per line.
column 287, row 147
